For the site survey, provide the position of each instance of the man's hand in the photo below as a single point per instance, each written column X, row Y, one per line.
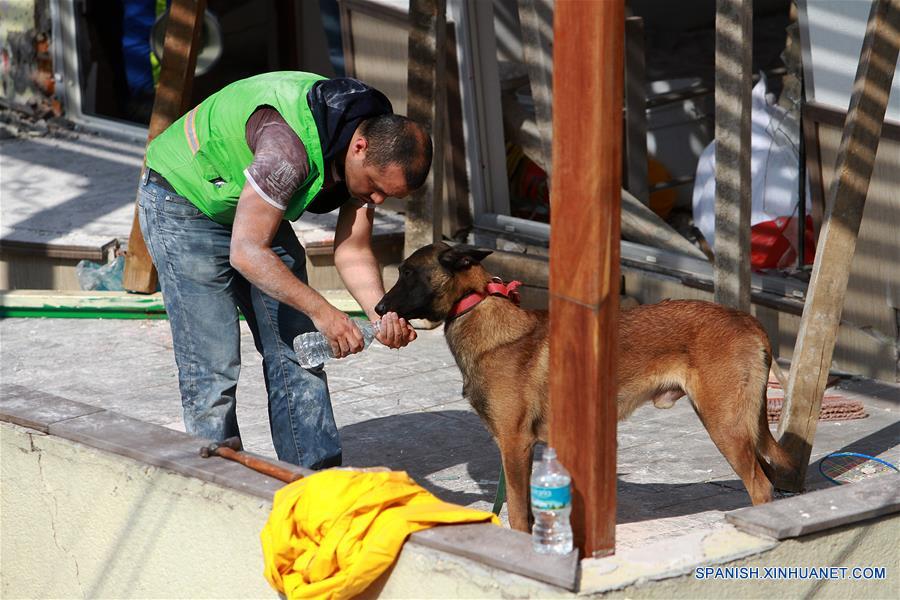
column 395, row 332
column 340, row 330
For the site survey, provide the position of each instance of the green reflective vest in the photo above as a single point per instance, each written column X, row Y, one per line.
column 204, row 153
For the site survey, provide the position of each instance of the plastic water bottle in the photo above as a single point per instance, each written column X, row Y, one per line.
column 551, row 504
column 93, row 276
column 313, row 348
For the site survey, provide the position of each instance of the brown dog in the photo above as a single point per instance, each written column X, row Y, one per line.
column 719, row 357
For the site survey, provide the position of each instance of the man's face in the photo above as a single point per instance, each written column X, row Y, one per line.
column 368, row 183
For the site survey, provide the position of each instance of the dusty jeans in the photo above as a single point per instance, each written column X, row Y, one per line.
column 202, row 294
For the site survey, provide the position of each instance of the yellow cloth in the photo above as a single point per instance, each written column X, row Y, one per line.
column 333, row 533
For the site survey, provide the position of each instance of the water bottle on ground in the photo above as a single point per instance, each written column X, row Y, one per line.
column 313, row 348
column 551, row 504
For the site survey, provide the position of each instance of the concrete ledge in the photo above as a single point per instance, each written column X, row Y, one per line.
column 502, row 548
column 61, row 453
column 79, row 522
column 38, row 410
column 178, row 452
column 821, row 510
column 669, row 558
column 151, row 444
column 90, row 247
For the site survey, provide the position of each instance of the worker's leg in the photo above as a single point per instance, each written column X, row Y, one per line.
column 300, row 415
column 190, row 252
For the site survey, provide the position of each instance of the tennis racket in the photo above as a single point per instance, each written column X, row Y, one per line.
column 849, row 467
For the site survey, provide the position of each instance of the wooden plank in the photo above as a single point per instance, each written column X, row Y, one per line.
column 503, row 549
column 637, row 180
column 173, row 97
column 813, row 156
column 457, row 216
column 831, row 270
column 642, row 225
column 536, row 18
column 822, row 113
column 426, row 104
column 734, row 43
column 821, row 510
column 73, row 300
column 584, row 260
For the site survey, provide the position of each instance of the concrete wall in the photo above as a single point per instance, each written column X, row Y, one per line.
column 78, row 522
column 871, row 544
column 90, row 519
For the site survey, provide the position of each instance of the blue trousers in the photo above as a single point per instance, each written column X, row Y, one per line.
column 203, row 294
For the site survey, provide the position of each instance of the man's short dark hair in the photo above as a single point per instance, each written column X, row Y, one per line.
column 396, row 140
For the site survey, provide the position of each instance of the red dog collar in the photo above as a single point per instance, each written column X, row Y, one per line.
column 495, row 287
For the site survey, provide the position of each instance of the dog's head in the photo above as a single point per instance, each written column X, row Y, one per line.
column 433, row 279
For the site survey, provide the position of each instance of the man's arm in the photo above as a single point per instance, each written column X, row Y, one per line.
column 359, row 270
column 353, row 256
column 255, row 224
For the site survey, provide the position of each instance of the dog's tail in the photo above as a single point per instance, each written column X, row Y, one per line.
column 775, row 461
column 779, row 374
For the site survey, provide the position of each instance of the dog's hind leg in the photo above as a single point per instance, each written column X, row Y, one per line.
column 727, row 425
column 739, row 449
column 515, row 452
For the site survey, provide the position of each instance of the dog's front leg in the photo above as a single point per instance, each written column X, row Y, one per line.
column 516, row 456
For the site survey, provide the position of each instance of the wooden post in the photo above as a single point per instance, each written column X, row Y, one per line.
column 173, row 96
column 425, row 104
column 636, row 177
column 584, row 260
column 810, row 130
column 837, row 244
column 457, row 215
column 536, row 17
column 734, row 43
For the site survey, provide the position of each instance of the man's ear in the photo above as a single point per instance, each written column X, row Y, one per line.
column 462, row 257
column 359, row 144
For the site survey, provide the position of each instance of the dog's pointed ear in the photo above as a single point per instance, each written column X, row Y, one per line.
column 462, row 256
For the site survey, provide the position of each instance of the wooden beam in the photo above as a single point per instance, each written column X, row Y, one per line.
column 642, row 225
column 813, row 157
column 837, row 244
column 734, row 44
column 426, row 104
column 584, row 260
column 637, row 180
column 536, row 18
column 173, row 96
column 457, row 214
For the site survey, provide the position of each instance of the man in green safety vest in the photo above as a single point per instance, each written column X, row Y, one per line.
column 218, row 189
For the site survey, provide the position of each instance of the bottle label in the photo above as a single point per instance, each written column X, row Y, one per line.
column 550, row 498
